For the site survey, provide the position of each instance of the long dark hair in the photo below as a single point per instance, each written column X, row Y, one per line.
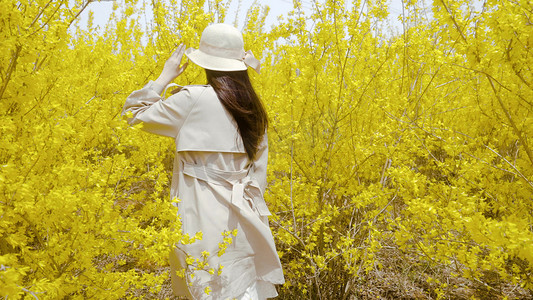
column 235, row 91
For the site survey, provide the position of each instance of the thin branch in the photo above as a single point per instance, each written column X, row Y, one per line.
column 510, row 119
column 11, row 69
column 79, row 12
column 40, row 13
column 512, row 166
column 49, row 19
column 454, row 21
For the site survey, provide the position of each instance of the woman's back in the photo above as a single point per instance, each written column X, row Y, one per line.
column 219, row 171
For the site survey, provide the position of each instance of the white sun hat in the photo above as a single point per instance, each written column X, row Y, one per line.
column 222, row 49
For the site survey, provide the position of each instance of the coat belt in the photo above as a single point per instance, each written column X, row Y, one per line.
column 244, row 188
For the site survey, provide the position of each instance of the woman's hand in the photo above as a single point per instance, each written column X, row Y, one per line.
column 172, row 68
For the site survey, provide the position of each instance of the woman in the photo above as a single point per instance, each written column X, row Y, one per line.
column 219, row 169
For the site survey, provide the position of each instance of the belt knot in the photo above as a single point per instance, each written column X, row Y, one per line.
column 245, row 189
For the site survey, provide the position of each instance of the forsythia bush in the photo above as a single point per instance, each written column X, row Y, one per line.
column 400, row 165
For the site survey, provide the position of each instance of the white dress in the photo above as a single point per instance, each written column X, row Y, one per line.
column 221, row 194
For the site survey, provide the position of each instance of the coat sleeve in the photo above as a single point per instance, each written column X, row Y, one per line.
column 163, row 117
column 259, row 170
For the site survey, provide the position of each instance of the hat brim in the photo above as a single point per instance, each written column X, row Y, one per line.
column 214, row 63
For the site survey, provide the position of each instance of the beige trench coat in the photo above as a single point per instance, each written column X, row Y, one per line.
column 219, row 189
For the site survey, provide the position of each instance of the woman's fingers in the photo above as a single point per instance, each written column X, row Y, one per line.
column 172, row 68
column 180, row 50
column 178, row 54
column 184, row 66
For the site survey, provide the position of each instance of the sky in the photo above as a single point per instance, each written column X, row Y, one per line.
column 102, row 10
